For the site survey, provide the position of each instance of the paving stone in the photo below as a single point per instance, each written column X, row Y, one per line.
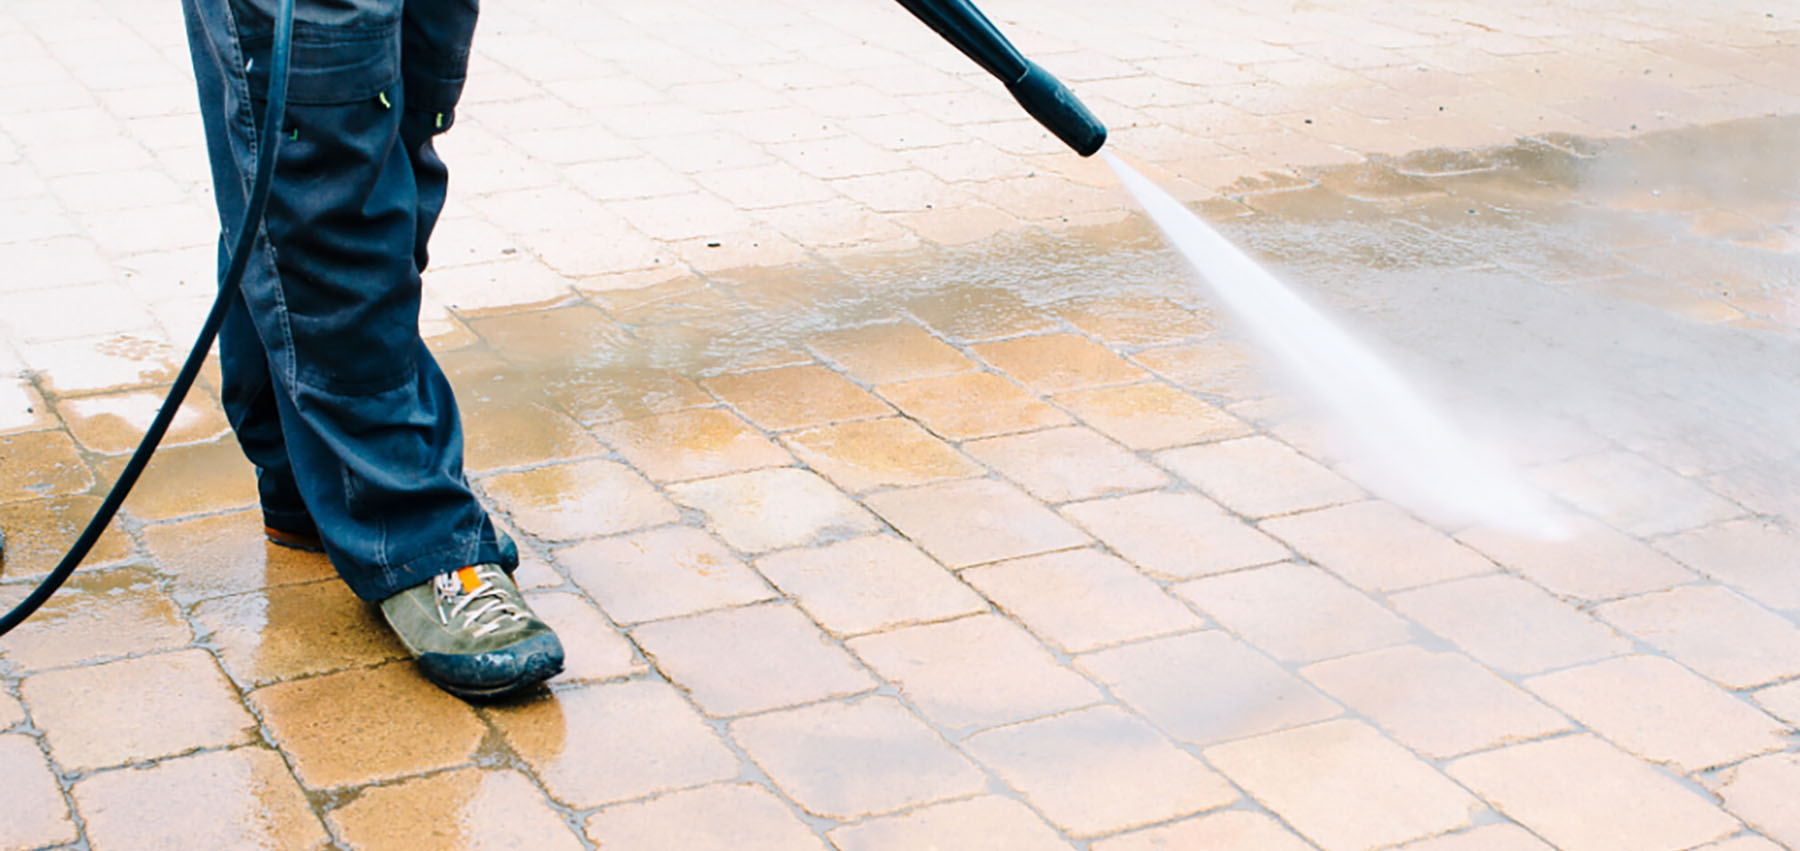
column 227, row 554
column 796, row 397
column 89, row 715
column 113, row 424
column 1100, row 770
column 845, row 760
column 182, row 481
column 1439, row 704
column 366, row 725
column 869, row 454
column 691, row 445
column 1509, row 624
column 1081, row 599
column 1064, row 464
column 1376, row 547
column 972, row 405
column 12, row 713
column 1257, row 477
column 1152, row 416
column 661, row 573
column 1295, row 613
column 892, row 352
column 989, row 822
column 1661, row 712
column 98, row 615
column 594, row 650
column 566, row 502
column 466, row 808
column 1742, row 843
column 40, row 464
column 1717, row 633
column 250, row 799
column 1593, row 563
column 751, row 659
column 1579, row 792
column 1782, row 701
column 868, row 584
column 1228, row 829
column 1054, row 363
column 974, row 521
column 1761, row 792
column 1205, row 687
column 737, row 815
column 1634, row 494
column 974, row 672
column 32, row 807
column 1752, row 556
column 1175, row 535
column 1492, row 837
column 1217, row 367
column 613, row 742
column 294, row 631
column 766, row 510
column 38, row 533
column 1342, row 785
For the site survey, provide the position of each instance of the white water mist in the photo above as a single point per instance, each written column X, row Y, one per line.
column 1428, row 463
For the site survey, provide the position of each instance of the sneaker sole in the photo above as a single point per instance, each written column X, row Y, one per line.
column 536, row 667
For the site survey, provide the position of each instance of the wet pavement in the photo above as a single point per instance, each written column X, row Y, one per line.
column 936, row 506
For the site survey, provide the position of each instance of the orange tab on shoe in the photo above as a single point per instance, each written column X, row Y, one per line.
column 470, row 581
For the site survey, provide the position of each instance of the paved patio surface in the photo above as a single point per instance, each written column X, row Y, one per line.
column 892, row 485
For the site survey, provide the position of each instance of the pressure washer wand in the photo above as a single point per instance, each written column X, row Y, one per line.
column 1042, row 95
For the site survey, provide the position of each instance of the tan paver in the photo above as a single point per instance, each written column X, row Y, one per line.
column 868, row 584
column 365, row 725
column 1132, row 320
column 751, row 659
column 691, row 444
column 1579, row 792
column 1439, row 704
column 615, row 741
column 1151, row 416
column 737, row 815
column 1493, row 837
column 1636, row 495
column 1376, row 547
column 1661, row 712
column 1749, row 842
column 1258, row 477
column 295, row 630
column 1064, row 464
column 1175, row 535
column 796, row 397
column 93, row 717
column 38, row 532
column 892, row 352
column 1761, row 792
column 600, row 652
column 1054, row 363
column 1206, row 687
column 988, row 822
column 1752, row 556
column 1344, row 786
column 1228, row 829
column 1100, row 770
column 869, row 454
column 1216, row 367
column 12, row 712
column 250, row 799
column 467, row 808
column 971, row 405
column 225, row 554
column 32, row 810
column 1782, row 701
column 99, row 615
column 566, row 502
column 1081, row 599
column 1593, row 563
column 42, row 463
column 661, row 573
column 1509, row 624
column 1295, row 613
column 1712, row 630
column 183, row 481
column 969, row 522
column 114, row 424
column 974, row 672
column 766, row 510
column 848, row 759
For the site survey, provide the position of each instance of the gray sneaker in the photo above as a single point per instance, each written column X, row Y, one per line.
column 473, row 634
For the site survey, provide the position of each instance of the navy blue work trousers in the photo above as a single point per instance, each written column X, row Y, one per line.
column 334, row 398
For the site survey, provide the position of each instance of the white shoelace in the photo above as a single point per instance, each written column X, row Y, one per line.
column 484, row 602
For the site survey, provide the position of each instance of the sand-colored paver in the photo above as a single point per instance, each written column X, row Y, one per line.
column 1594, row 562
column 719, row 816
column 250, row 799
column 1376, row 547
column 1175, row 535
column 1066, row 464
column 661, row 573
column 1227, row 829
column 467, row 808
column 1081, row 599
column 1750, row 555
column 101, row 615
column 1761, row 792
column 970, row 405
column 868, row 454
column 1492, row 837
column 1151, row 416
column 1714, row 631
column 34, row 811
column 93, row 717
column 571, row 501
column 1295, row 613
column 365, row 725
column 869, row 584
column 294, row 630
column 750, row 659
column 1258, row 477
column 1509, row 624
column 765, row 510
column 974, row 521
column 989, row 822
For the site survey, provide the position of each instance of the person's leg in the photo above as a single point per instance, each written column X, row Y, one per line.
column 434, row 61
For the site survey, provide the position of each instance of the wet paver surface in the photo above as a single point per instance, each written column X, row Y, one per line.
column 895, row 487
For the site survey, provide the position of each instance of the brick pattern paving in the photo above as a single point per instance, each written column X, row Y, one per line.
column 969, row 573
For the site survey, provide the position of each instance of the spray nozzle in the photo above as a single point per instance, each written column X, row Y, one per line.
column 1042, row 95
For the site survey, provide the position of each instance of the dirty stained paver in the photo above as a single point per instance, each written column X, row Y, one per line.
column 936, row 506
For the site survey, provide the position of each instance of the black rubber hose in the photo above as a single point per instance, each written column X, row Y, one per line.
column 267, row 148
